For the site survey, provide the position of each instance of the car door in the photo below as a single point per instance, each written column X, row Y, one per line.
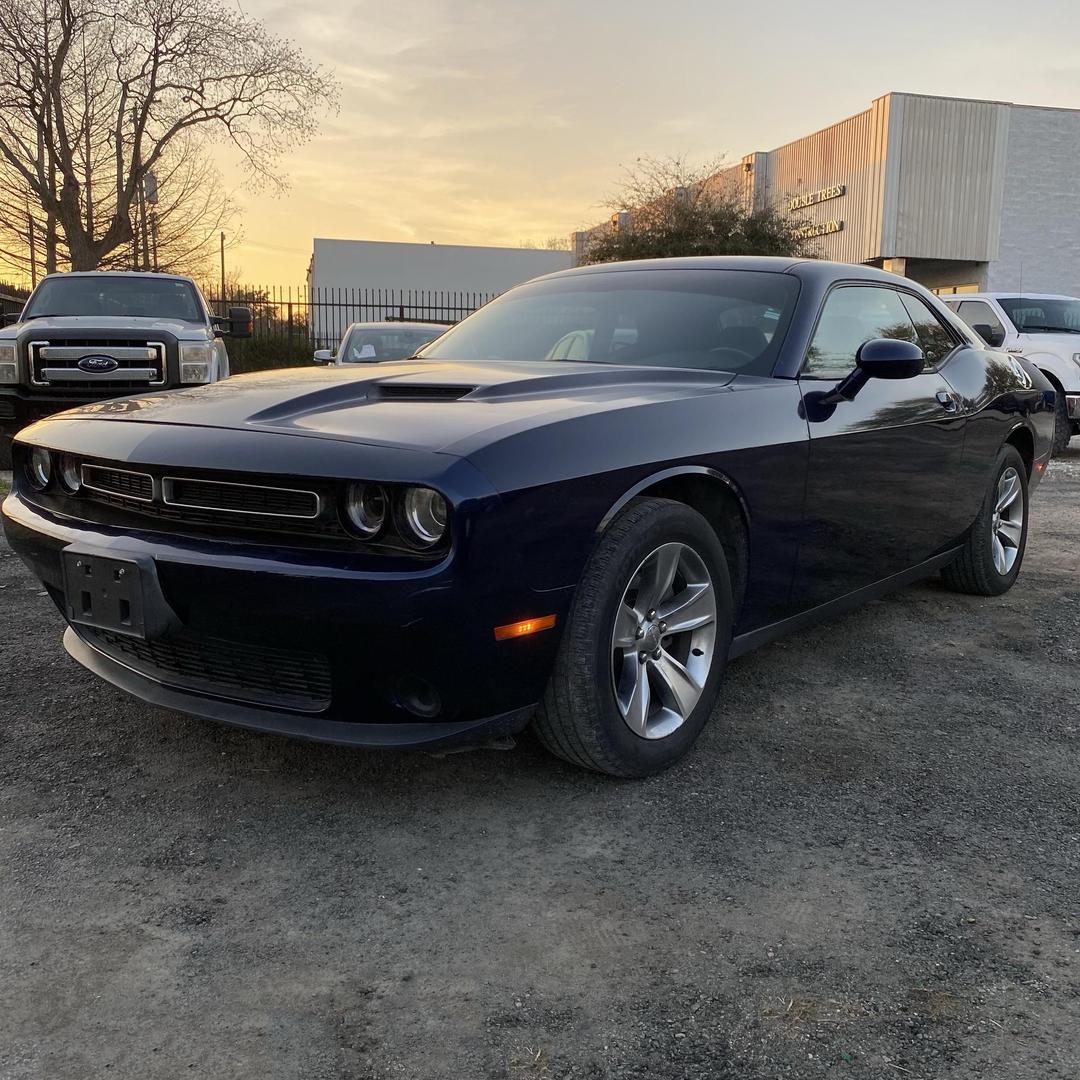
column 882, row 467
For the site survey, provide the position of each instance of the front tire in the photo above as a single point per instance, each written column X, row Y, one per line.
column 641, row 660
column 994, row 550
column 1063, row 426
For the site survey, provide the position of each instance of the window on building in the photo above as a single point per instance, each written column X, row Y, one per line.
column 852, row 315
column 980, row 316
column 935, row 339
column 953, row 290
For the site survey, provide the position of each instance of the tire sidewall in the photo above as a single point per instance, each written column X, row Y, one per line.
column 1008, row 458
column 683, row 525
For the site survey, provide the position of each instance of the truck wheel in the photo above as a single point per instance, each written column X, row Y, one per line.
column 640, row 662
column 991, row 556
column 1063, row 426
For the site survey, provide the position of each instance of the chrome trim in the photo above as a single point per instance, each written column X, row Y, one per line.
column 168, row 481
column 108, row 491
column 77, row 375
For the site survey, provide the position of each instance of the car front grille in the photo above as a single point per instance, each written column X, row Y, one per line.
column 121, row 482
column 258, row 675
column 55, row 363
column 234, row 498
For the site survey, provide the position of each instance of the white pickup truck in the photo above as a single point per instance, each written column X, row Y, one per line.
column 1041, row 327
column 90, row 336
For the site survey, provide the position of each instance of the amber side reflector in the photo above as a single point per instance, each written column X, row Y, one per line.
column 526, row 626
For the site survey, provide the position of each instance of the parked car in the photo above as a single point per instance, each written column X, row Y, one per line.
column 369, row 343
column 1040, row 326
column 84, row 337
column 444, row 550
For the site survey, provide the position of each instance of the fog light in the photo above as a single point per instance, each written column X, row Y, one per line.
column 365, row 507
column 70, row 474
column 425, row 514
column 418, row 696
column 39, row 468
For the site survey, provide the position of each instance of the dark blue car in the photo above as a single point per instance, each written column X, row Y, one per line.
column 571, row 510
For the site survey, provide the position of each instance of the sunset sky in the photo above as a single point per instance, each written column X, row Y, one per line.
column 479, row 122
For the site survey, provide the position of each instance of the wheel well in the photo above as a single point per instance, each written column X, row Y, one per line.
column 1054, row 381
column 1022, row 439
column 721, row 508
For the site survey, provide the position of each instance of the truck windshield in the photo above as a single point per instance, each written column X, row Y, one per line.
column 1043, row 315
column 719, row 320
column 115, row 297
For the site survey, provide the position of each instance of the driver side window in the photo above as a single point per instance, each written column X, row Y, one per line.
column 852, row 315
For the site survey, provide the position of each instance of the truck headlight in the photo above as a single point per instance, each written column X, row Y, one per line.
column 195, row 359
column 9, row 369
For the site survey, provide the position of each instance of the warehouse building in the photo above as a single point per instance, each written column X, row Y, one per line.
column 960, row 195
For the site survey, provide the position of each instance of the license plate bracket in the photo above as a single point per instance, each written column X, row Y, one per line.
column 104, row 593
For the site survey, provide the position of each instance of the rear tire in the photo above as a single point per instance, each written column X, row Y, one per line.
column 656, row 592
column 994, row 549
column 1063, row 426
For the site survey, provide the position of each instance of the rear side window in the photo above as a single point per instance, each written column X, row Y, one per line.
column 980, row 316
column 935, row 339
column 853, row 315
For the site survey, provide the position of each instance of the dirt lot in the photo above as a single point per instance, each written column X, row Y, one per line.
column 870, row 868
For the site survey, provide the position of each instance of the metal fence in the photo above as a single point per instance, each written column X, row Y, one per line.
column 316, row 318
column 11, row 301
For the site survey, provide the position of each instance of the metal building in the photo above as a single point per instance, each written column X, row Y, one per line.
column 961, row 195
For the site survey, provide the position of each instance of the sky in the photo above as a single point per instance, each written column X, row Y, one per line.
column 482, row 122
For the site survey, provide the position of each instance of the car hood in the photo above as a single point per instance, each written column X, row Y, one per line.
column 412, row 404
column 75, row 323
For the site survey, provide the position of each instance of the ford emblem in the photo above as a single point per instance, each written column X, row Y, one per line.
column 98, row 363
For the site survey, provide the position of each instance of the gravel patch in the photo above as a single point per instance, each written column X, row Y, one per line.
column 868, row 868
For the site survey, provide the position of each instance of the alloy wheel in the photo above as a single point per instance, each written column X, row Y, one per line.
column 1007, row 524
column 664, row 640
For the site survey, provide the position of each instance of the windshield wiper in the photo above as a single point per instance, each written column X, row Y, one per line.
column 1049, row 330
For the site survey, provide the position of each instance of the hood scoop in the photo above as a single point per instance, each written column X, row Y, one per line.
column 402, row 391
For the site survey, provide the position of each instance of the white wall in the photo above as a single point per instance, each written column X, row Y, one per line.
column 351, row 265
column 1040, row 209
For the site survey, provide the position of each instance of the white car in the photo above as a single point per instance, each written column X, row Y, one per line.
column 371, row 342
column 1043, row 328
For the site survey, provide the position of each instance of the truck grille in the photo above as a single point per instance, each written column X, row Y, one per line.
column 138, row 363
column 259, row 675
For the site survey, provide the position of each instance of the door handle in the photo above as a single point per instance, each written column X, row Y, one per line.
column 949, row 402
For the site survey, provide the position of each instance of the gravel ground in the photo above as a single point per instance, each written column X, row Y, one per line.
column 868, row 869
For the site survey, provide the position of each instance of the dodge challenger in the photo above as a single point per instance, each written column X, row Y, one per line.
column 570, row 511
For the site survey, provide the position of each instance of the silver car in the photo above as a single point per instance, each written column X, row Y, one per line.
column 371, row 342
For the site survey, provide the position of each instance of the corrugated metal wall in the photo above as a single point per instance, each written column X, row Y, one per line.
column 951, row 156
column 851, row 153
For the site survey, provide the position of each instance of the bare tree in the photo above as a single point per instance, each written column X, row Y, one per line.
column 96, row 94
column 666, row 208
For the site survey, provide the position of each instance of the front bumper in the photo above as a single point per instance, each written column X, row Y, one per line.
column 380, row 635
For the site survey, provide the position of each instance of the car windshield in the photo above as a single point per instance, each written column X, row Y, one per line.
column 115, row 297
column 720, row 320
column 364, row 344
column 1036, row 315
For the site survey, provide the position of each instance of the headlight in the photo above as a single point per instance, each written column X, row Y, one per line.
column 365, row 507
column 39, row 468
column 70, row 473
column 9, row 369
column 195, row 362
column 425, row 514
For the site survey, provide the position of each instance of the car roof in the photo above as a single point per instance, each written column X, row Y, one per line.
column 1017, row 294
column 118, row 274
column 395, row 325
column 804, row 268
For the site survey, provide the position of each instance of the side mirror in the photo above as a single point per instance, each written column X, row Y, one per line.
column 240, row 322
column 878, row 358
column 993, row 338
column 323, row 356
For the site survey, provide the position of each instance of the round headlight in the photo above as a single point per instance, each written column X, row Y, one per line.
column 365, row 506
column 39, row 468
column 425, row 514
column 70, row 473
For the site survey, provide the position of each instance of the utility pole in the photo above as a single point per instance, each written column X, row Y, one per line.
column 223, row 272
